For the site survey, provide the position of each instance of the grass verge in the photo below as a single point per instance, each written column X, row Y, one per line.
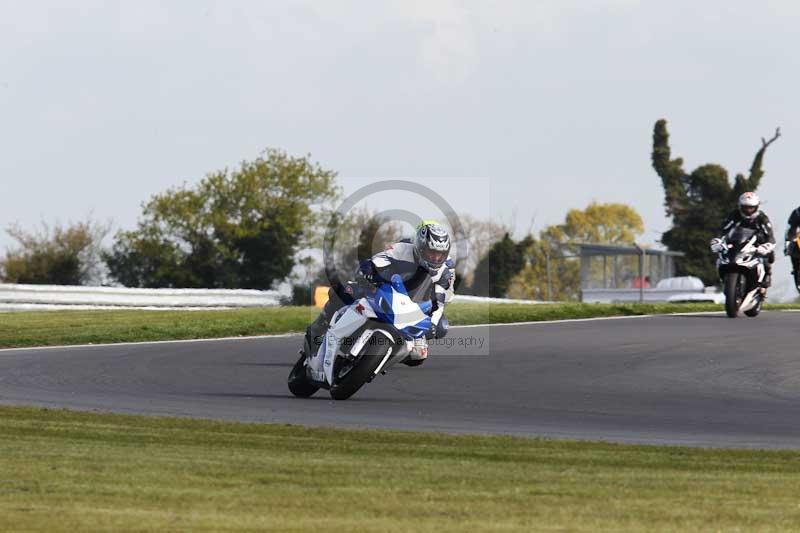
column 63, row 470
column 53, row 328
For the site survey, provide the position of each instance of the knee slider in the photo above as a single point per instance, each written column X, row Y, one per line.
column 442, row 328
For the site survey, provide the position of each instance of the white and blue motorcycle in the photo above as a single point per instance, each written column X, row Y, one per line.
column 364, row 339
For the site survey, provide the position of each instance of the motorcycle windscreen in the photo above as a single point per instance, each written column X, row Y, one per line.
column 740, row 235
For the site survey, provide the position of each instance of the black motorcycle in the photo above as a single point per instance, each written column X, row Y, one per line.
column 794, row 254
column 742, row 272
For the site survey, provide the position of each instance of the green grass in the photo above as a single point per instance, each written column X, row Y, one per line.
column 506, row 313
column 62, row 470
column 53, row 328
column 48, row 328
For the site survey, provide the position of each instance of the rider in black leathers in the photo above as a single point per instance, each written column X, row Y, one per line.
column 749, row 215
column 789, row 247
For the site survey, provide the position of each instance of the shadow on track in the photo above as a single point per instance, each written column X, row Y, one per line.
column 321, row 395
column 274, row 365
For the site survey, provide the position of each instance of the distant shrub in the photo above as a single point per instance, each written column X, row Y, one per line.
column 54, row 255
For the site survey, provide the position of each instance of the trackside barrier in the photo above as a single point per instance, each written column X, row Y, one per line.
column 648, row 295
column 16, row 296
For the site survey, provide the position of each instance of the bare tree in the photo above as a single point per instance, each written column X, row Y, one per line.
column 479, row 235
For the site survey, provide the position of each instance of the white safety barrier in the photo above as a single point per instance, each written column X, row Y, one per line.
column 24, row 297
column 15, row 297
column 679, row 289
column 648, row 295
column 466, row 298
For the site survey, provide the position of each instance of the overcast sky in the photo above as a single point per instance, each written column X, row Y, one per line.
column 518, row 110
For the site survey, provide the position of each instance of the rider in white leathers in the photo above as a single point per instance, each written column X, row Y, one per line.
column 424, row 259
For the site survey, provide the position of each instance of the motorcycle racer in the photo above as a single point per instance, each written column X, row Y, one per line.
column 791, row 234
column 425, row 259
column 749, row 215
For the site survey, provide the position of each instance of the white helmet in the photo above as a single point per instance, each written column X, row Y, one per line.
column 431, row 245
column 749, row 203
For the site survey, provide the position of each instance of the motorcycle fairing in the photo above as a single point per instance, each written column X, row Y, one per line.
column 392, row 305
column 343, row 324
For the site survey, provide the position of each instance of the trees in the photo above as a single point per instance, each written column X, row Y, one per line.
column 544, row 268
column 698, row 202
column 501, row 263
column 611, row 223
column 59, row 255
column 479, row 236
column 375, row 235
column 235, row 229
column 550, row 272
column 357, row 236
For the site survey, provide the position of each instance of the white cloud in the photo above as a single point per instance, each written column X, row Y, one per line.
column 454, row 33
column 446, row 45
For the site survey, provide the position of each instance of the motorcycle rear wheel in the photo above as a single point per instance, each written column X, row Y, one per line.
column 299, row 384
column 733, row 294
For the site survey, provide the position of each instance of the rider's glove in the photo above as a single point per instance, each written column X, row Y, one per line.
column 717, row 245
column 451, row 272
column 765, row 249
column 367, row 277
column 786, row 247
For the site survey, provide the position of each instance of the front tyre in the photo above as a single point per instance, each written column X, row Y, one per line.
column 733, row 294
column 299, row 384
column 349, row 376
column 797, row 278
column 755, row 310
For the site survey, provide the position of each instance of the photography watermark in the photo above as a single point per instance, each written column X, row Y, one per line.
column 449, row 343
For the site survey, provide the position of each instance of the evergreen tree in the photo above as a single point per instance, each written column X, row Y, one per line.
column 498, row 267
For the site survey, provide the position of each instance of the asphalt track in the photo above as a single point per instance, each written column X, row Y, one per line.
column 700, row 380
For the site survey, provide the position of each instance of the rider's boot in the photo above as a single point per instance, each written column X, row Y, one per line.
column 317, row 329
column 419, row 354
column 315, row 333
column 767, row 283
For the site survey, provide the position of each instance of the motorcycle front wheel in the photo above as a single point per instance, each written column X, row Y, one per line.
column 349, row 376
column 755, row 310
column 797, row 279
column 733, row 293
